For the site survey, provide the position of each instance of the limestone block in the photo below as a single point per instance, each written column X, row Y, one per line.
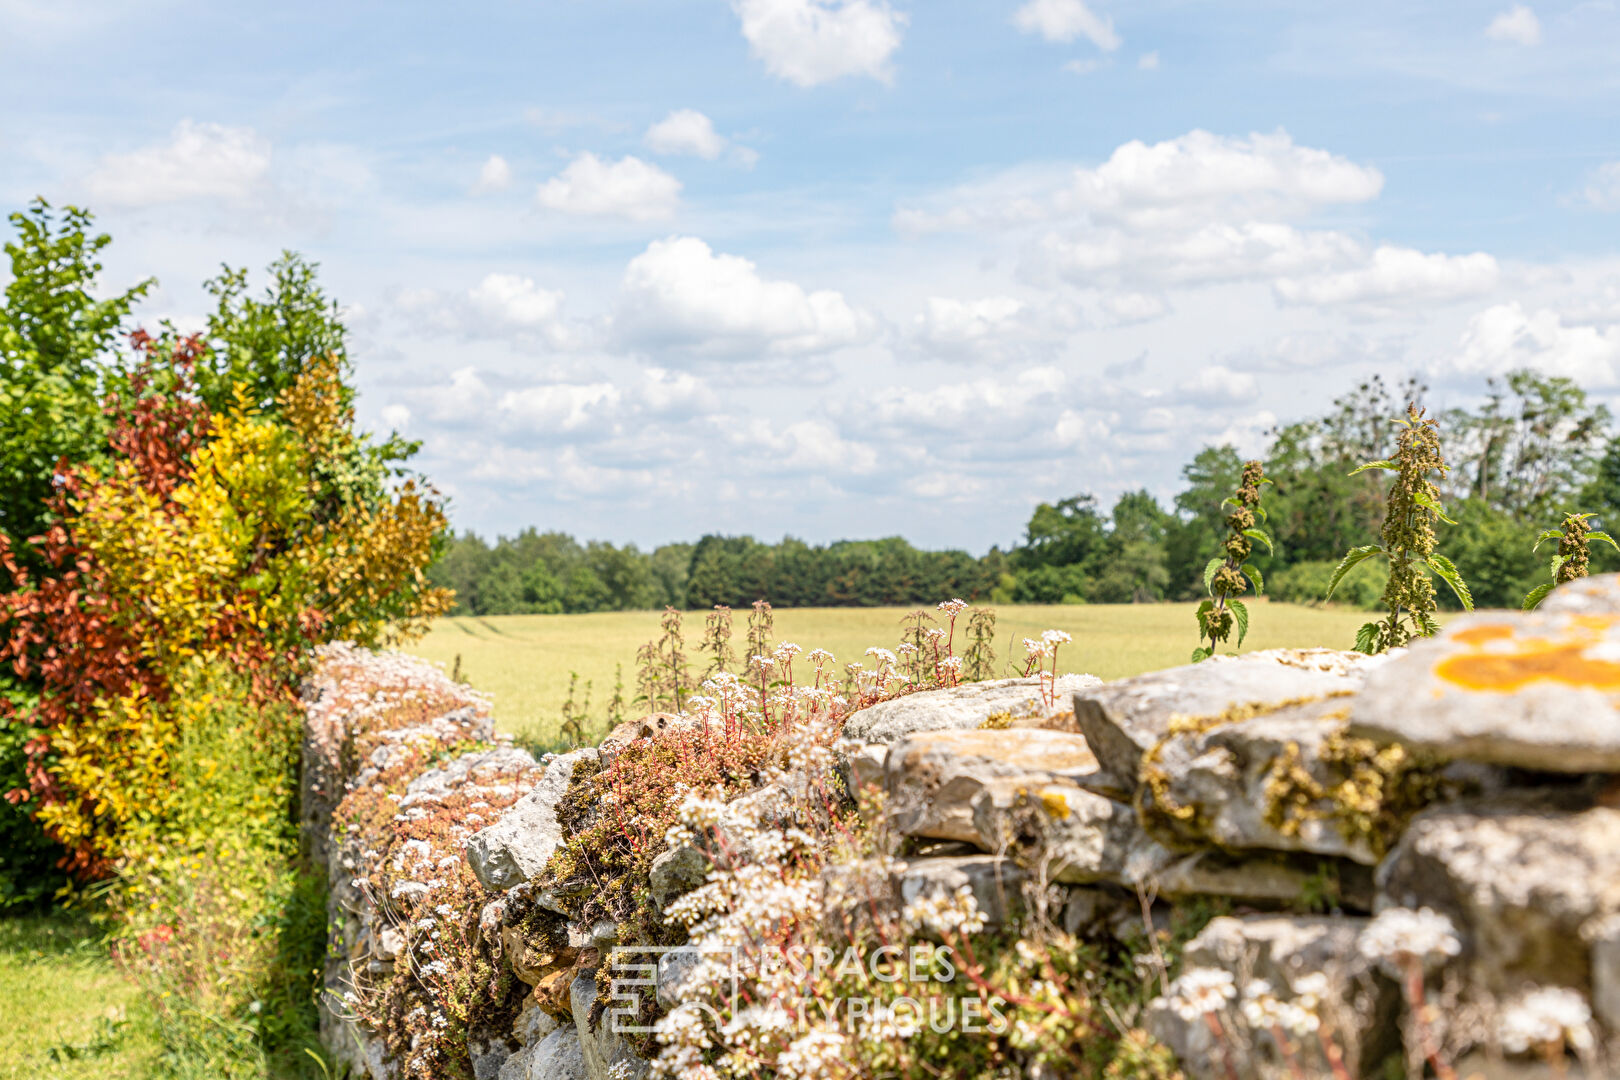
column 517, row 847
column 931, row 778
column 1538, row 690
column 960, row 707
column 1125, row 720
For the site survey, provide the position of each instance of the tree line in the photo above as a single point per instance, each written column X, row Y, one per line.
column 1533, row 449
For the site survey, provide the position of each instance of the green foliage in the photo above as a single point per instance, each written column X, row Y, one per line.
column 57, row 358
column 29, row 876
column 1408, row 540
column 214, row 917
column 265, row 344
column 1307, row 583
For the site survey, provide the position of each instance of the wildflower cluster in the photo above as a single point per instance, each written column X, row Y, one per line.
column 1040, row 660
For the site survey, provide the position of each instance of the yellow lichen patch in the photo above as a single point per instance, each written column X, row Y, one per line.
column 1507, row 672
column 1182, row 724
column 1055, row 803
column 1480, row 635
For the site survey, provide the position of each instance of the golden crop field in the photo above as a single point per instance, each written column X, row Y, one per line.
column 525, row 660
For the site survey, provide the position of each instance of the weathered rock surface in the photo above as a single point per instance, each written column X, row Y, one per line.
column 1269, row 879
column 607, row 1055
column 1124, row 720
column 677, row 872
column 861, row 764
column 1595, row 595
column 960, row 707
column 1076, row 836
column 1064, row 832
column 517, row 847
column 1223, row 785
column 1537, row 691
column 558, row 1056
column 931, row 778
column 1360, row 1006
column 997, row 883
column 1527, row 884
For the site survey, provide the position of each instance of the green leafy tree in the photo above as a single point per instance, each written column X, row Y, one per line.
column 1531, row 446
column 1133, row 566
column 264, row 343
column 1408, row 539
column 59, row 358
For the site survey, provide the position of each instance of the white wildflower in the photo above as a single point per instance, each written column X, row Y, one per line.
column 1201, row 991
column 812, row 1055
column 1399, row 937
column 1547, row 1017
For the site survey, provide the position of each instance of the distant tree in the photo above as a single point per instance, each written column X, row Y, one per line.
column 1529, row 449
column 1067, row 533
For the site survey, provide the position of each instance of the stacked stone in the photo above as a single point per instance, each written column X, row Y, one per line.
column 1472, row 774
column 365, row 939
column 1469, row 774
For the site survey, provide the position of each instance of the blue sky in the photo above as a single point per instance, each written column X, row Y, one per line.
column 841, row 268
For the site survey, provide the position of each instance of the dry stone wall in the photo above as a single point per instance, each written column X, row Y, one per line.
column 1474, row 777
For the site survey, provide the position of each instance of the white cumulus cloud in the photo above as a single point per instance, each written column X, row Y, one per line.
column 628, row 188
column 1180, row 182
column 199, row 161
column 681, row 292
column 1395, row 275
column 1517, row 25
column 501, row 307
column 496, row 175
column 1602, row 190
column 1505, row 336
column 561, row 406
column 686, row 131
column 1065, row 20
column 809, row 42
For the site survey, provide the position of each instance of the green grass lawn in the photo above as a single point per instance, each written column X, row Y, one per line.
column 525, row 660
column 62, row 1005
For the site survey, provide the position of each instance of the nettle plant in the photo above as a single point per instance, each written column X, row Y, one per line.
column 1228, row 576
column 1573, row 557
column 1408, row 540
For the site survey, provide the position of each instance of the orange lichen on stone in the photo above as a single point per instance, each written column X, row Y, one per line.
column 1479, row 635
column 1506, row 672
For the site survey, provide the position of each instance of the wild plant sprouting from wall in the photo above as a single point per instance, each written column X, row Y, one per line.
column 1408, row 539
column 717, row 640
column 761, row 625
column 663, row 674
column 979, row 660
column 1572, row 558
column 1227, row 576
column 914, row 643
column 575, row 712
column 616, row 704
